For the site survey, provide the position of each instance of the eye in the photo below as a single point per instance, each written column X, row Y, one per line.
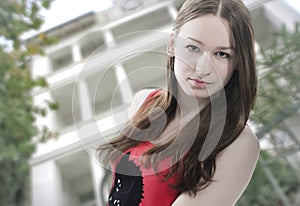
column 193, row 48
column 223, row 55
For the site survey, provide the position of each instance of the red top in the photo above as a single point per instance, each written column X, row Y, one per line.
column 135, row 185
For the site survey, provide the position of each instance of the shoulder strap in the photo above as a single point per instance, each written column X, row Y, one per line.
column 152, row 94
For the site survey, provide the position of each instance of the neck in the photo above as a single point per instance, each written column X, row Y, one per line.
column 189, row 105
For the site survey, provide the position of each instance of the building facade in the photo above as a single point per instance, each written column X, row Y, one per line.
column 102, row 59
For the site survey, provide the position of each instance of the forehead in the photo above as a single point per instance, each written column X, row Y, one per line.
column 211, row 30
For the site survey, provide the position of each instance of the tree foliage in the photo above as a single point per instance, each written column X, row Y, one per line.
column 260, row 192
column 279, row 85
column 18, row 130
column 278, row 99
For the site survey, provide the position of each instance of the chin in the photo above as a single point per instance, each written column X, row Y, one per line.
column 197, row 94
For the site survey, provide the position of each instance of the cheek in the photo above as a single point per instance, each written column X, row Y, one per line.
column 178, row 69
column 182, row 68
column 178, row 75
column 181, row 72
column 224, row 71
column 226, row 75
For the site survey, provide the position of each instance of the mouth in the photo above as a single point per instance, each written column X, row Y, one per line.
column 199, row 82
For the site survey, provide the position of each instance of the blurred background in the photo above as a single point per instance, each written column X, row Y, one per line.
column 73, row 66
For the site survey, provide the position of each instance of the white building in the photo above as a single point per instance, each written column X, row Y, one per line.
column 101, row 60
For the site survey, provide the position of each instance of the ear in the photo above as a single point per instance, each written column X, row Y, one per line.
column 171, row 45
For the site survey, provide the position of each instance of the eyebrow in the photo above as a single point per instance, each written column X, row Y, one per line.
column 219, row 47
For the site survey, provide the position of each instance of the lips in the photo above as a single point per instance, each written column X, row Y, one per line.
column 198, row 82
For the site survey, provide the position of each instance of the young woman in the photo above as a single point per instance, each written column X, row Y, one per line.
column 190, row 144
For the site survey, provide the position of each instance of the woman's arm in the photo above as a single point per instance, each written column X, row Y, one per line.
column 234, row 168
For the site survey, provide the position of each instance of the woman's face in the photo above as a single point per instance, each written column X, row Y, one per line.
column 204, row 56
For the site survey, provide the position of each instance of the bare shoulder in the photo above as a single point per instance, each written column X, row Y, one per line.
column 137, row 100
column 248, row 133
column 234, row 168
column 246, row 144
column 247, row 140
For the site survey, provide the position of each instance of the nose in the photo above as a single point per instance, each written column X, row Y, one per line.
column 203, row 65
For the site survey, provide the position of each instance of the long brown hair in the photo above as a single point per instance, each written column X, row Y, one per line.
column 240, row 93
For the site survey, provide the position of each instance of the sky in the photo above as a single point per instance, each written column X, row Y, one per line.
column 294, row 3
column 64, row 10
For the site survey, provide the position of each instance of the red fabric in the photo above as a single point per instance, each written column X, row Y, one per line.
column 146, row 188
column 154, row 190
column 150, row 95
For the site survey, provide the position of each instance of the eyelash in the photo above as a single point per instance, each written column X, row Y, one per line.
column 220, row 54
column 193, row 48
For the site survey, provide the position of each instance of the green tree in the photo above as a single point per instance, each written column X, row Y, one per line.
column 18, row 131
column 278, row 99
column 260, row 192
column 279, row 85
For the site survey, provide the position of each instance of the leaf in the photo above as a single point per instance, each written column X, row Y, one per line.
column 52, row 105
column 18, row 129
column 36, row 23
column 9, row 151
column 41, row 82
column 46, row 3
